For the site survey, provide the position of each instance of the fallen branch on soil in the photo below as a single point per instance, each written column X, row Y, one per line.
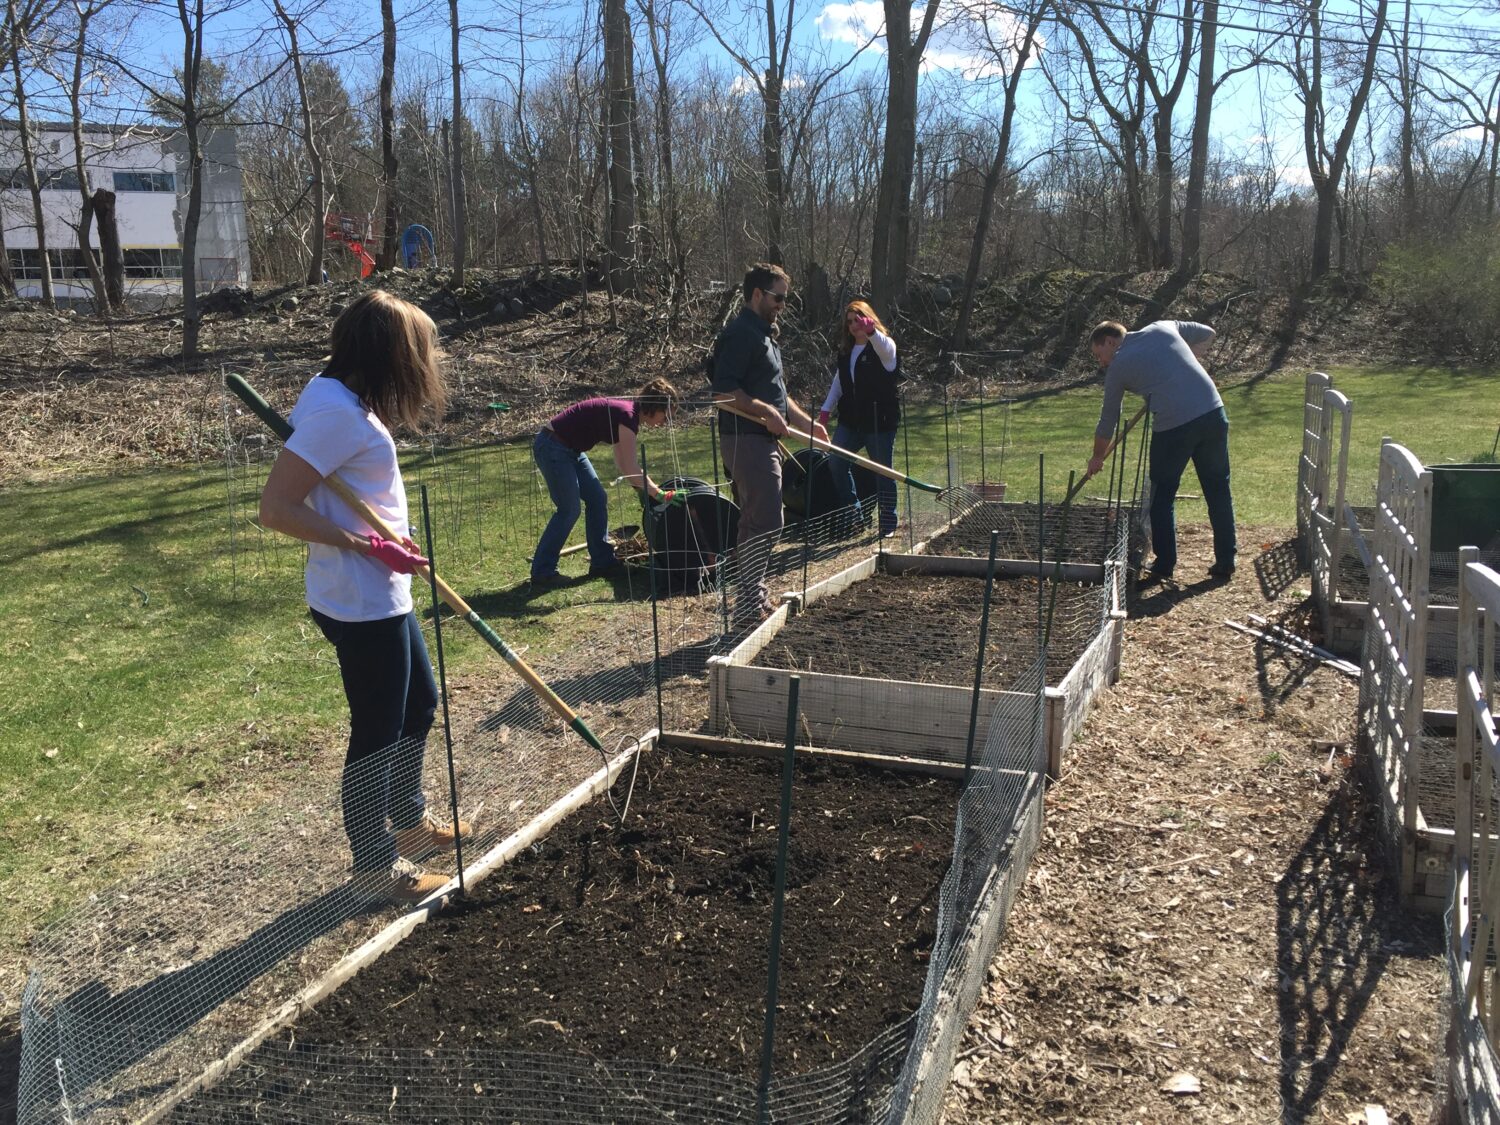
column 1290, row 642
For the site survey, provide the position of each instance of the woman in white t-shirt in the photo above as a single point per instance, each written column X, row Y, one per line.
column 383, row 370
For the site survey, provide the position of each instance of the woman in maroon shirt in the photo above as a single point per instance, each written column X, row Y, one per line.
column 561, row 452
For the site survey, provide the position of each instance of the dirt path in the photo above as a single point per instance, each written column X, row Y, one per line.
column 1208, row 899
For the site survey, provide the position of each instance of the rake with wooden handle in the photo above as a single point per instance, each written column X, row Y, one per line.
column 1108, row 449
column 283, row 429
column 828, row 447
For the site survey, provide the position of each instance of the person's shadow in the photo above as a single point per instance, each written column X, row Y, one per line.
column 1337, row 929
column 99, row 1034
column 1158, row 598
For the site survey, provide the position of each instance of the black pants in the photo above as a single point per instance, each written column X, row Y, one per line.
column 392, row 700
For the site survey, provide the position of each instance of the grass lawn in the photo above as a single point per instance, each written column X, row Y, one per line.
column 149, row 686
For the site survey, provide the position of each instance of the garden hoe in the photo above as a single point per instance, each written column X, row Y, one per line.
column 283, row 430
column 1110, row 448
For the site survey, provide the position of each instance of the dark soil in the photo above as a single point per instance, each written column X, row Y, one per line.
column 875, row 627
column 650, row 942
column 1090, row 532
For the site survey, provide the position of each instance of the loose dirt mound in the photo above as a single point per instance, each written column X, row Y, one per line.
column 79, row 395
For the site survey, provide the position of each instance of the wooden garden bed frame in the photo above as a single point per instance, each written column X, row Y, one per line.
column 870, row 715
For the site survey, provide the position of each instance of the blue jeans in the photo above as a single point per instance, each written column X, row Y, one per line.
column 570, row 480
column 881, row 445
column 1205, row 442
column 392, row 700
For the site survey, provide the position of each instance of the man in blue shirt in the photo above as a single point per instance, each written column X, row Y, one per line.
column 1161, row 363
column 747, row 374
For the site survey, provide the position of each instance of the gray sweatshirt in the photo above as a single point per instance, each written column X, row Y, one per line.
column 1158, row 364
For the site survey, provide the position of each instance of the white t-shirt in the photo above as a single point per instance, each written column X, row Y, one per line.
column 334, row 432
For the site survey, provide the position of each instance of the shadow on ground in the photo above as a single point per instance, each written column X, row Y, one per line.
column 1277, row 569
column 1339, row 927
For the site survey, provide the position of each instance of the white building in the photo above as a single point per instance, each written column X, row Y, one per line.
column 146, row 168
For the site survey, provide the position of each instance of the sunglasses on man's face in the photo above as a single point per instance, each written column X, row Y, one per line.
column 779, row 298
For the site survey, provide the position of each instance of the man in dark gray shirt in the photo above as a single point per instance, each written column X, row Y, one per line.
column 747, row 374
column 1161, row 363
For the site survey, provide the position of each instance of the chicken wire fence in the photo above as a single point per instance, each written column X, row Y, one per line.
column 148, row 984
column 142, row 991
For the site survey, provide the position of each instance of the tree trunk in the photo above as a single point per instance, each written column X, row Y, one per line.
column 109, row 247
column 889, row 253
column 992, row 178
column 772, row 137
column 28, row 155
column 86, row 202
column 389, row 164
column 672, row 222
column 619, row 114
column 460, row 204
column 1161, row 134
column 1327, row 177
column 1192, row 204
column 192, row 122
column 1407, row 85
column 310, row 145
column 7, row 278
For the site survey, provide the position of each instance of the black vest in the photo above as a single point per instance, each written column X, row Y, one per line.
column 868, row 401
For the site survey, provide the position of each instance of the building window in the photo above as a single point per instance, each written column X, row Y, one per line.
column 145, row 181
column 153, row 263
column 26, row 265
column 60, row 179
column 67, row 265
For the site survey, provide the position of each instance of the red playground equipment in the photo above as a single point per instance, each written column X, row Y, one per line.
column 353, row 230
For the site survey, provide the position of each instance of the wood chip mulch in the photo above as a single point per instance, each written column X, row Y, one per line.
column 1209, row 931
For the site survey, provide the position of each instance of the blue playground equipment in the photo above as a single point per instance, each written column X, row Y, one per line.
column 412, row 240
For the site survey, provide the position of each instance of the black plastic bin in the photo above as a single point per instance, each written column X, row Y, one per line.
column 687, row 540
column 807, row 488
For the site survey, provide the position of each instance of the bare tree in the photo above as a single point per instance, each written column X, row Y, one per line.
column 316, row 187
column 1328, row 156
column 1192, row 204
column 1012, row 56
column 618, row 147
column 84, row 14
column 456, row 173
column 389, row 163
column 891, row 248
column 21, row 22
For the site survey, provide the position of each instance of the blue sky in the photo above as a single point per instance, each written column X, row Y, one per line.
column 1256, row 111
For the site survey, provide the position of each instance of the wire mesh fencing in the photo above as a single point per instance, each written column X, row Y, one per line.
column 145, row 990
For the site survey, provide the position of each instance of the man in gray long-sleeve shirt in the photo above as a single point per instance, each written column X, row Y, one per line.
column 1160, row 363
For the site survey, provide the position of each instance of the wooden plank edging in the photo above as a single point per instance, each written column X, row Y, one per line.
column 967, row 566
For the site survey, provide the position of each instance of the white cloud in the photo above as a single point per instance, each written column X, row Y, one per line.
column 742, row 84
column 853, row 23
column 977, row 39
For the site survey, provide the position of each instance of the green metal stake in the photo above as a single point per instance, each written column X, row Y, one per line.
column 283, row 429
column 783, row 838
column 984, row 633
column 437, row 633
column 1062, row 539
column 648, row 521
column 1041, row 547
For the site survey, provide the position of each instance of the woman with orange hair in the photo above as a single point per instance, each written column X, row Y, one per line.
column 864, row 392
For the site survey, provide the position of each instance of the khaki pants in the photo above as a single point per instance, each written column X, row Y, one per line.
column 754, row 463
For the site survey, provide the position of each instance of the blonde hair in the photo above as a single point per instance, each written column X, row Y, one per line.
column 656, row 397
column 862, row 308
column 385, row 350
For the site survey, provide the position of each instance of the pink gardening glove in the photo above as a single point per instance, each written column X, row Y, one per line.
column 395, row 555
column 867, row 326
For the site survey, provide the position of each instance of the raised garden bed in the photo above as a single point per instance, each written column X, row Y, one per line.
column 647, row 942
column 887, row 660
column 1090, row 532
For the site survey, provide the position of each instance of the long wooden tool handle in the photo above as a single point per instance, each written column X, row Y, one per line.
column 283, row 429
column 837, row 451
column 1108, row 449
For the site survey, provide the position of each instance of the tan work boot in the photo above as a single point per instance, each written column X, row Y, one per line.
column 428, row 837
column 403, row 883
